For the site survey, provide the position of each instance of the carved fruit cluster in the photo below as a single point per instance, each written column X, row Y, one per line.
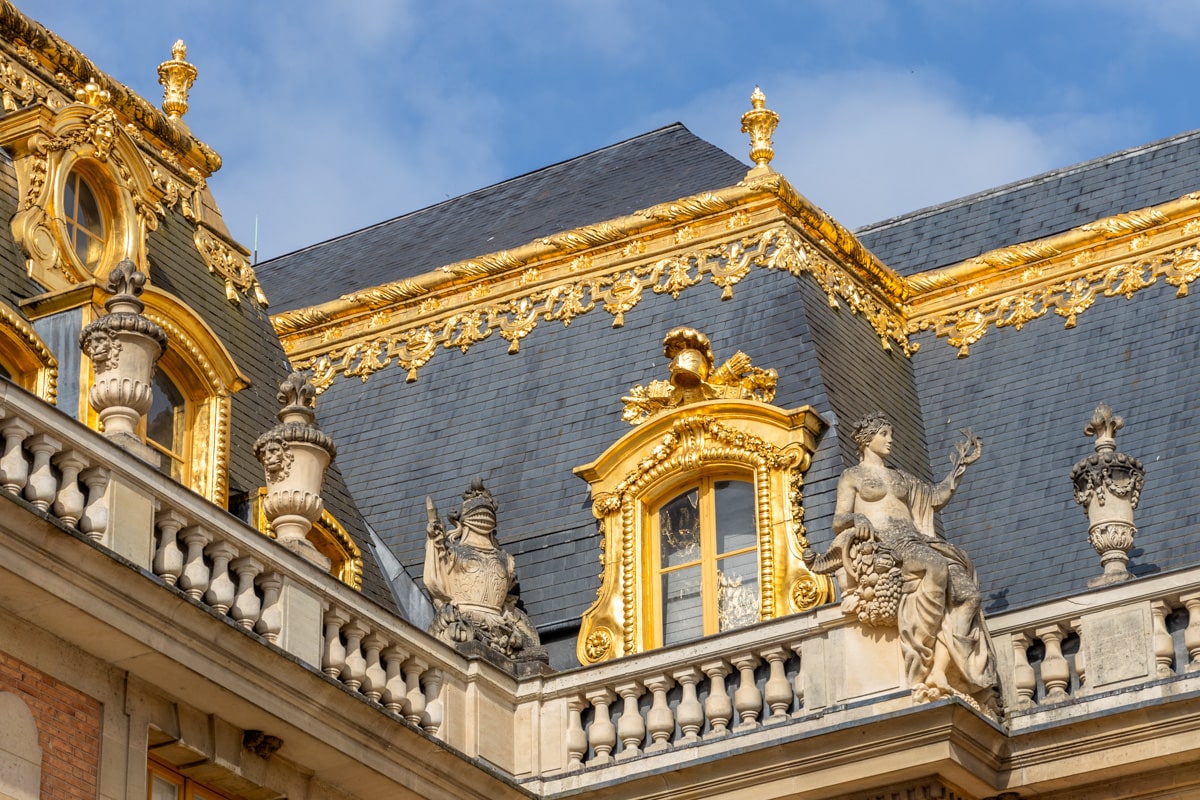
column 879, row 583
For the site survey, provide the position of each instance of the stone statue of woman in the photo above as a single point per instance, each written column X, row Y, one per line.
column 899, row 571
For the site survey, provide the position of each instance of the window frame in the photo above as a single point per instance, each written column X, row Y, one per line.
column 189, row 789
column 708, row 557
column 659, row 458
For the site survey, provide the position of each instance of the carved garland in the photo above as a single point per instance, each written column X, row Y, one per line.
column 1067, row 298
column 694, row 441
column 725, row 265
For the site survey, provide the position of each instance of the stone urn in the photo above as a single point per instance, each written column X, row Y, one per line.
column 124, row 348
column 295, row 454
column 1108, row 485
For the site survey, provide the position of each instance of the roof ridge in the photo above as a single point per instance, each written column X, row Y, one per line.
column 409, row 214
column 1032, row 180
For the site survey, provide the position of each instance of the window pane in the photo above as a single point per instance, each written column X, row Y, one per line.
column 735, row 516
column 679, row 528
column 89, row 210
column 737, row 590
column 162, row 789
column 683, row 612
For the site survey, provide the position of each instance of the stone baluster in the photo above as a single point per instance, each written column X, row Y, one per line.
column 631, row 728
column 374, row 677
column 1056, row 672
column 14, row 469
column 246, row 605
column 195, row 575
column 414, row 698
column 41, row 486
column 798, row 681
column 394, row 688
column 777, row 691
column 689, row 714
column 168, row 556
column 221, row 588
column 1080, row 666
column 577, row 740
column 270, row 621
column 432, row 722
column 355, row 666
column 1024, row 678
column 94, row 522
column 747, row 699
column 333, row 655
column 70, row 501
column 659, row 719
column 1164, row 646
column 717, row 706
column 602, row 735
column 1191, row 635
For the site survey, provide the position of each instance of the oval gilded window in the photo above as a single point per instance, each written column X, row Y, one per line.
column 84, row 217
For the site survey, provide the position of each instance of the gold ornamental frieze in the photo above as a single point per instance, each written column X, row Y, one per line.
column 722, row 265
column 1065, row 274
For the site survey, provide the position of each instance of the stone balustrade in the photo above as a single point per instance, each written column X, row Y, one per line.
column 119, row 502
column 795, row 676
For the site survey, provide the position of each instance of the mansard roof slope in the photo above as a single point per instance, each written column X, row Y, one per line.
column 655, row 167
column 1038, row 206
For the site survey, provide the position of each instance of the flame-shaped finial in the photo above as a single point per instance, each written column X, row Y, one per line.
column 1104, row 427
column 760, row 123
column 92, row 94
column 176, row 76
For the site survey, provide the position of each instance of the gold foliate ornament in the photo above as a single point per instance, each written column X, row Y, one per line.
column 760, row 123
column 176, row 76
column 92, row 95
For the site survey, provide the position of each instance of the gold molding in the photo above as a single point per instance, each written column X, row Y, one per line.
column 39, row 66
column 329, row 537
column 35, row 367
column 231, row 263
column 774, row 446
column 1066, row 273
column 513, row 317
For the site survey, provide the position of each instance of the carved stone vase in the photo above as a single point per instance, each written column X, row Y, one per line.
column 1108, row 485
column 295, row 454
column 124, row 348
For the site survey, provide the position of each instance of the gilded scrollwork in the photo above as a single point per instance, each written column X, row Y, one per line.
column 231, row 265
column 724, row 265
column 1067, row 298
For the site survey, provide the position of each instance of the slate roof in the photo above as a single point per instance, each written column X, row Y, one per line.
column 1037, row 207
column 656, row 167
column 522, row 422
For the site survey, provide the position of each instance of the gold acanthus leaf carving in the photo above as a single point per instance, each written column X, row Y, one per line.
column 725, row 265
column 229, row 265
column 690, row 208
column 1068, row 298
column 693, row 379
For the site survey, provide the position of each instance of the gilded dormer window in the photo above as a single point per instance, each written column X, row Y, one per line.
column 700, row 507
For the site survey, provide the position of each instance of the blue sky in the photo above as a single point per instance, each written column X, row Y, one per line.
column 331, row 117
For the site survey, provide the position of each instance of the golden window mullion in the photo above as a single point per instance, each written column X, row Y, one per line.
column 708, row 560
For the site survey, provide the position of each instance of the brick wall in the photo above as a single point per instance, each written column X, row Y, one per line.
column 68, row 724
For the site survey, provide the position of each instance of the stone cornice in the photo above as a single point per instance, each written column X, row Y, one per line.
column 41, row 49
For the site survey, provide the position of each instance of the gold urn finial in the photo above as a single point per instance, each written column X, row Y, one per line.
column 760, row 123
column 176, row 76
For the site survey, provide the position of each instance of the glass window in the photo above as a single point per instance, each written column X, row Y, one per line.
column 166, row 424
column 167, row 784
column 707, row 540
column 85, row 222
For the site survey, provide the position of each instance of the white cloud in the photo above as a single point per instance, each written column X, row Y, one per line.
column 868, row 145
